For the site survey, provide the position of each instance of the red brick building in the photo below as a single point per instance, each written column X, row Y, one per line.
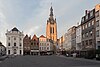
column 35, row 45
column 26, row 45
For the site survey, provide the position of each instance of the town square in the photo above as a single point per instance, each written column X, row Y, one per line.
column 49, row 33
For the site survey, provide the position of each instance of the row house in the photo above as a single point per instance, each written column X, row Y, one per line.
column 35, row 45
column 78, row 38
column 89, row 39
column 45, row 45
column 85, row 37
column 42, row 44
column 97, row 16
column 61, row 43
column 14, row 42
column 66, row 42
column 26, row 45
column 73, row 38
column 88, row 33
column 70, row 39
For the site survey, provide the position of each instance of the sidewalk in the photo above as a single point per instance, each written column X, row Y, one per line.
column 81, row 59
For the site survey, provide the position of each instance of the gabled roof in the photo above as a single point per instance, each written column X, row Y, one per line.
column 42, row 36
column 15, row 29
column 34, row 37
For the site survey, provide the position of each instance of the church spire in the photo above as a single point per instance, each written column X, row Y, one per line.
column 51, row 11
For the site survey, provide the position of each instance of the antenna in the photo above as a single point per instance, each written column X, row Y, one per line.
column 51, row 3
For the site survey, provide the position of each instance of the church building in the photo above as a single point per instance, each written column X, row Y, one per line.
column 51, row 27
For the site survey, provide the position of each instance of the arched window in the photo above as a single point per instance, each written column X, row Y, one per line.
column 50, row 29
column 20, row 52
column 53, row 29
column 20, row 45
column 8, row 51
column 14, row 44
column 8, row 44
column 15, row 51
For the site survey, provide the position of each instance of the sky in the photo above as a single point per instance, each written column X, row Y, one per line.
column 30, row 16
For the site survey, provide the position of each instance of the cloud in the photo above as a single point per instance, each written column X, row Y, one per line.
column 3, row 27
column 31, row 16
column 3, row 23
column 37, row 23
column 31, row 30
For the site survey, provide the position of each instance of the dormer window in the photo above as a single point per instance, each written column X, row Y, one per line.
column 86, row 17
column 82, row 19
column 91, row 13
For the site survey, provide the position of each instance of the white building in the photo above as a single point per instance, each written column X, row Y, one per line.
column 97, row 16
column 45, row 45
column 61, row 43
column 42, row 43
column 65, row 44
column 78, row 38
column 50, row 45
column 2, row 49
column 68, row 39
column 14, row 42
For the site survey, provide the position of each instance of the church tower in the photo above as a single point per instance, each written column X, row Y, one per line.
column 51, row 28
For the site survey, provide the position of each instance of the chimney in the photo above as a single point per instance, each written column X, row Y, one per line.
column 86, row 12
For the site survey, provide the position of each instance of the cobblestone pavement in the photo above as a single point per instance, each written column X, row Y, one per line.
column 47, row 61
